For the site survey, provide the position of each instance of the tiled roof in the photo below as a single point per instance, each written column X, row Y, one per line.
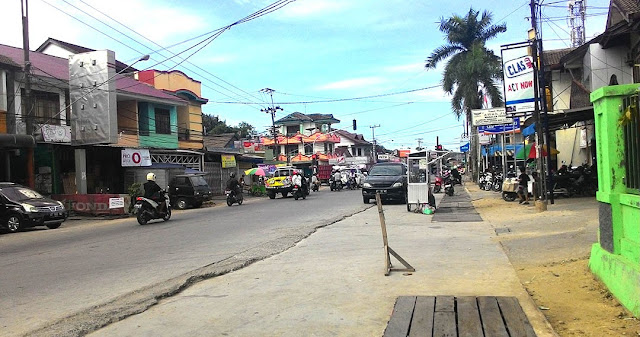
column 298, row 117
column 219, row 141
column 357, row 139
column 8, row 62
column 552, row 57
column 56, row 67
column 628, row 6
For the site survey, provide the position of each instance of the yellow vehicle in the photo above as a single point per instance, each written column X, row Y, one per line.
column 280, row 182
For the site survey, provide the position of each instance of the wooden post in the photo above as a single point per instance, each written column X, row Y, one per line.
column 387, row 250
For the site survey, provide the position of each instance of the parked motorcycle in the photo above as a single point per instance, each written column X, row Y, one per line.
column 147, row 209
column 497, row 182
column 233, row 197
column 448, row 186
column 437, row 185
column 298, row 192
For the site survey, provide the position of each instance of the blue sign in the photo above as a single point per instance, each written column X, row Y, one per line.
column 465, row 147
column 502, row 128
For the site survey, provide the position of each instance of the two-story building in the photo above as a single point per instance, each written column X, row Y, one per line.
column 300, row 136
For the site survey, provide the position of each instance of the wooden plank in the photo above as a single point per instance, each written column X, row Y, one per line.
column 401, row 317
column 491, row 318
column 469, row 324
column 445, row 303
column 444, row 324
column 422, row 324
column 517, row 323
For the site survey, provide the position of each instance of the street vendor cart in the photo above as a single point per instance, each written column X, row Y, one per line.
column 418, row 185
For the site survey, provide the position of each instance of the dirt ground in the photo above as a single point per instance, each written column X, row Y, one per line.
column 550, row 251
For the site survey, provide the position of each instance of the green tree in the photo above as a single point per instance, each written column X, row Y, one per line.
column 471, row 67
column 214, row 126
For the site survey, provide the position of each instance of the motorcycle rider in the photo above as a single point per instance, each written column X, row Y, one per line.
column 457, row 179
column 298, row 180
column 337, row 178
column 233, row 185
column 314, row 182
column 152, row 190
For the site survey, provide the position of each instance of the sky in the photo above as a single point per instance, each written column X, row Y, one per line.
column 355, row 59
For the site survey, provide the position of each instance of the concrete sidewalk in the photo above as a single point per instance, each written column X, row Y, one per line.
column 332, row 283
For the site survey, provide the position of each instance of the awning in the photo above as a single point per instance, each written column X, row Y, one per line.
column 568, row 117
column 12, row 141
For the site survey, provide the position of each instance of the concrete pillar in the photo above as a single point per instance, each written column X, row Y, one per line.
column 81, row 170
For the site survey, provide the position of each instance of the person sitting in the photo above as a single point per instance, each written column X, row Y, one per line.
column 457, row 178
column 298, row 180
column 523, row 184
column 152, row 190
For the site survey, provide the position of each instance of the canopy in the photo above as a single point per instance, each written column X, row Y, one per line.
column 529, row 151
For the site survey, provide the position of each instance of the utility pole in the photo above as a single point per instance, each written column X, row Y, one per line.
column 419, row 144
column 536, row 112
column 373, row 136
column 272, row 110
column 27, row 91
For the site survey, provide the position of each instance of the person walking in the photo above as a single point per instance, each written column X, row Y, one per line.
column 523, row 182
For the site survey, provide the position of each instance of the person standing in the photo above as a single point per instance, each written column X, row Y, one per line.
column 523, row 182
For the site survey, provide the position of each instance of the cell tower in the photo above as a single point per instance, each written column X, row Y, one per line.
column 577, row 11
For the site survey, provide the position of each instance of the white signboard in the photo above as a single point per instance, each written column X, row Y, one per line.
column 519, row 89
column 484, row 139
column 383, row 157
column 56, row 133
column 493, row 116
column 116, row 203
column 135, row 157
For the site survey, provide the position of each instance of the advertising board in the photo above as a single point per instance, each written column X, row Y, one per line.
column 519, row 86
column 135, row 157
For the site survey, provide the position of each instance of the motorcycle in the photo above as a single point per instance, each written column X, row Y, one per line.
column 448, row 187
column 147, row 209
column 315, row 187
column 437, row 185
column 497, row 182
column 299, row 192
column 335, row 185
column 233, row 198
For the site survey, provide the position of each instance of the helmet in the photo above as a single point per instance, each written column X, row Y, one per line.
column 151, row 176
column 296, row 172
column 232, row 175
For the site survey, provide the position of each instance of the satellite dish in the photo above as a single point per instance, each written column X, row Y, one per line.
column 324, row 128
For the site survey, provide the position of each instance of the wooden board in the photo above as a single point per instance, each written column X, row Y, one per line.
column 466, row 316
column 422, row 324
column 400, row 320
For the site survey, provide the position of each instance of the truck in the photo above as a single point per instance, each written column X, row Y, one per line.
column 324, row 173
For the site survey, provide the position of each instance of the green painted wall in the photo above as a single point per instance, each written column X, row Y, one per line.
column 615, row 259
column 147, row 127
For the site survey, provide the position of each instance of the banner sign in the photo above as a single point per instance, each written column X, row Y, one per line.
column 228, row 160
column 116, row 203
column 56, row 133
column 135, row 157
column 519, row 89
column 489, row 116
column 464, row 148
column 504, row 128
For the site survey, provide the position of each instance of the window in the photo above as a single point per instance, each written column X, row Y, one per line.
column 163, row 121
column 292, row 130
column 359, row 152
column 46, row 107
column 308, row 149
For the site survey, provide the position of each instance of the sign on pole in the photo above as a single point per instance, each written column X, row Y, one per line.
column 511, row 127
column 228, row 161
column 464, row 148
column 519, row 86
column 489, row 116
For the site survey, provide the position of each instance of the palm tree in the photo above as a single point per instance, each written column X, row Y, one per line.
column 472, row 67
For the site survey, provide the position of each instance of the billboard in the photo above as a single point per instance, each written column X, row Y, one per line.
column 135, row 157
column 512, row 127
column 519, row 87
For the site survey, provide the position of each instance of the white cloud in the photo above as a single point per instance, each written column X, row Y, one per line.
column 355, row 83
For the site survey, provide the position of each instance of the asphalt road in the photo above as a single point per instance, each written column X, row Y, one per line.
column 48, row 275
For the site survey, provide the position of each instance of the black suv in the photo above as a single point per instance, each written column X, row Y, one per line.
column 188, row 190
column 22, row 207
column 388, row 179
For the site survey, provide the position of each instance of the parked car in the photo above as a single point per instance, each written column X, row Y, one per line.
column 388, row 179
column 22, row 207
column 188, row 190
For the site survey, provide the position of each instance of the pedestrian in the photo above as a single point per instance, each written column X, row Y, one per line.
column 523, row 182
